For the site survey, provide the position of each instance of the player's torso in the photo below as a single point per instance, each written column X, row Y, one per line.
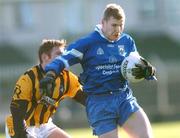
column 102, row 64
column 38, row 113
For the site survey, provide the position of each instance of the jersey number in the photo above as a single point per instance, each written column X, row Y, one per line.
column 17, row 90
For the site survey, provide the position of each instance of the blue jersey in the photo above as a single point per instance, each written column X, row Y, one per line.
column 100, row 59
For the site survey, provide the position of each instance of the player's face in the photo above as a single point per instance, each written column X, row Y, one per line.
column 56, row 51
column 112, row 28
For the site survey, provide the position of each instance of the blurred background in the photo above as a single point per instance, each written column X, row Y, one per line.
column 154, row 25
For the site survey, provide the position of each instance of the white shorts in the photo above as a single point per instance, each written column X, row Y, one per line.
column 43, row 131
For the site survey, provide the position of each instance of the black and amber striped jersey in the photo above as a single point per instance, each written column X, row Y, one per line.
column 27, row 88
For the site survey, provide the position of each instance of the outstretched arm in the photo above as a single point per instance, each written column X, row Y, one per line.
column 56, row 66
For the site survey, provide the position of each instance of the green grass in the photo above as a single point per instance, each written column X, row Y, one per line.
column 160, row 130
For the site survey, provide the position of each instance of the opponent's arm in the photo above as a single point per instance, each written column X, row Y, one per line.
column 19, row 103
column 18, row 110
column 80, row 97
column 74, row 89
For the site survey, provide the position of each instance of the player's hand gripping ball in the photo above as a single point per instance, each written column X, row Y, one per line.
column 128, row 64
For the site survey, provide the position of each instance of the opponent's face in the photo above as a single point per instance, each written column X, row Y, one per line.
column 112, row 28
column 56, row 51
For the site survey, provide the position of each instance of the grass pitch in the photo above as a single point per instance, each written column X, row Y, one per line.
column 160, row 130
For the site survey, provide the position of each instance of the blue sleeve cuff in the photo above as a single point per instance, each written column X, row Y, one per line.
column 56, row 65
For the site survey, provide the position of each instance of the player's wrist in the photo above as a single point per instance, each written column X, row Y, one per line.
column 149, row 71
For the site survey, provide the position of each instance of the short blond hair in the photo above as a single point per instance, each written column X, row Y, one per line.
column 113, row 10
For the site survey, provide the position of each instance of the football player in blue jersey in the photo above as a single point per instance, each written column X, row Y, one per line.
column 110, row 101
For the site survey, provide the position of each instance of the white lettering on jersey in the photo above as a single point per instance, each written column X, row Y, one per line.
column 108, row 69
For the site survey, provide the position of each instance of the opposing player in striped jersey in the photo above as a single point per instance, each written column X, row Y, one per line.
column 31, row 107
